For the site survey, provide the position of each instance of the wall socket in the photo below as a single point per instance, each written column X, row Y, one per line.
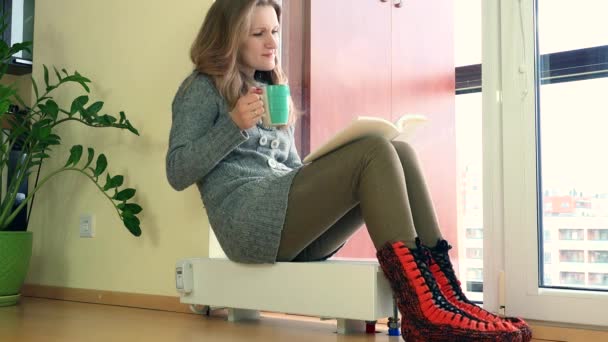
column 87, row 226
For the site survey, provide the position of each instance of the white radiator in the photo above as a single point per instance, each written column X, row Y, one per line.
column 352, row 291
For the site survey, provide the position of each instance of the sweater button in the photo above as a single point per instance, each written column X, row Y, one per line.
column 263, row 141
column 275, row 144
column 272, row 163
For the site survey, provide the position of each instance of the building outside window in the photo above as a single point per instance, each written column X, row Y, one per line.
column 597, row 235
column 600, row 257
column 600, row 279
column 475, row 253
column 571, row 256
column 571, row 234
column 572, row 278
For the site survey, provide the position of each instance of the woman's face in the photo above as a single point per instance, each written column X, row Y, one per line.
column 259, row 48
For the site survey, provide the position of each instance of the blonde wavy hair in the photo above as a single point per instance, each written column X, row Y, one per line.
column 215, row 51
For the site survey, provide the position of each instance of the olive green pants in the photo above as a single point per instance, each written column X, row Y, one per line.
column 371, row 181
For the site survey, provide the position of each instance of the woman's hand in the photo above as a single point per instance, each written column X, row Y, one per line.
column 249, row 109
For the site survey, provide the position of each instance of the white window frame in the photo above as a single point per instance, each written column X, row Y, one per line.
column 510, row 196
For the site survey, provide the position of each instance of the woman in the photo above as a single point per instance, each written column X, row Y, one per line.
column 265, row 206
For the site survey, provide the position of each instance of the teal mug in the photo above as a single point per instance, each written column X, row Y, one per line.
column 276, row 104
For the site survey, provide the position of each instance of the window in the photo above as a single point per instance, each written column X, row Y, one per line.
column 572, row 278
column 573, row 77
column 598, row 279
column 475, row 273
column 571, row 256
column 474, row 233
column 571, row 234
column 475, row 286
column 554, row 82
column 468, row 129
column 475, row 253
column 600, row 257
column 597, row 234
column 546, row 235
column 547, row 278
column 547, row 257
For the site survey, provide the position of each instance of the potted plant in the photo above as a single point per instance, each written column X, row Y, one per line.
column 28, row 136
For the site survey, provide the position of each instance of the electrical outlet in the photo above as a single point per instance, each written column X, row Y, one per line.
column 87, row 226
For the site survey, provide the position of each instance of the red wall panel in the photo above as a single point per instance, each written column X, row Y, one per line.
column 370, row 58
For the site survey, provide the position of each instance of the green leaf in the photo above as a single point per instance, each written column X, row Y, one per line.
column 131, row 208
column 78, row 104
column 43, row 123
column 34, row 163
column 110, row 118
column 57, row 73
column 35, row 133
column 20, row 100
column 45, row 132
column 131, row 128
column 52, row 109
column 76, row 151
column 38, row 148
column 6, row 91
column 108, row 179
column 53, row 139
column 35, row 87
column 79, row 79
column 102, row 163
column 106, row 120
column 4, row 106
column 124, row 195
column 40, row 156
column 89, row 157
column 132, row 224
column 75, row 154
column 46, row 76
column 113, row 182
column 82, row 78
column 17, row 47
column 17, row 129
column 95, row 108
column 126, row 213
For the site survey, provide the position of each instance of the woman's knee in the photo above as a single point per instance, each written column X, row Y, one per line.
column 378, row 145
column 378, row 149
column 404, row 149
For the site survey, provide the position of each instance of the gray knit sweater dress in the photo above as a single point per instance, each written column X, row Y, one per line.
column 244, row 176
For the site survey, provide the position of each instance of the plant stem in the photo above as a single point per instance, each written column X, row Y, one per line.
column 11, row 192
column 81, row 121
column 21, row 171
column 28, row 198
column 6, row 202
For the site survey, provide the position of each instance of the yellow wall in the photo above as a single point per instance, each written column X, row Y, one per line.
column 136, row 54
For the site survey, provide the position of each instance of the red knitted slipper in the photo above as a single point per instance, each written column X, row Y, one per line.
column 426, row 313
column 450, row 287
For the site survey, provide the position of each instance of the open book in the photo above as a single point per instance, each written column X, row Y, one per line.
column 364, row 126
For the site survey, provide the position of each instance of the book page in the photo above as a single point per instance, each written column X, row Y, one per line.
column 357, row 129
column 365, row 126
column 408, row 124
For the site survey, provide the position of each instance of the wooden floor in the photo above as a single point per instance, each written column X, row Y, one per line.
column 37, row 319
